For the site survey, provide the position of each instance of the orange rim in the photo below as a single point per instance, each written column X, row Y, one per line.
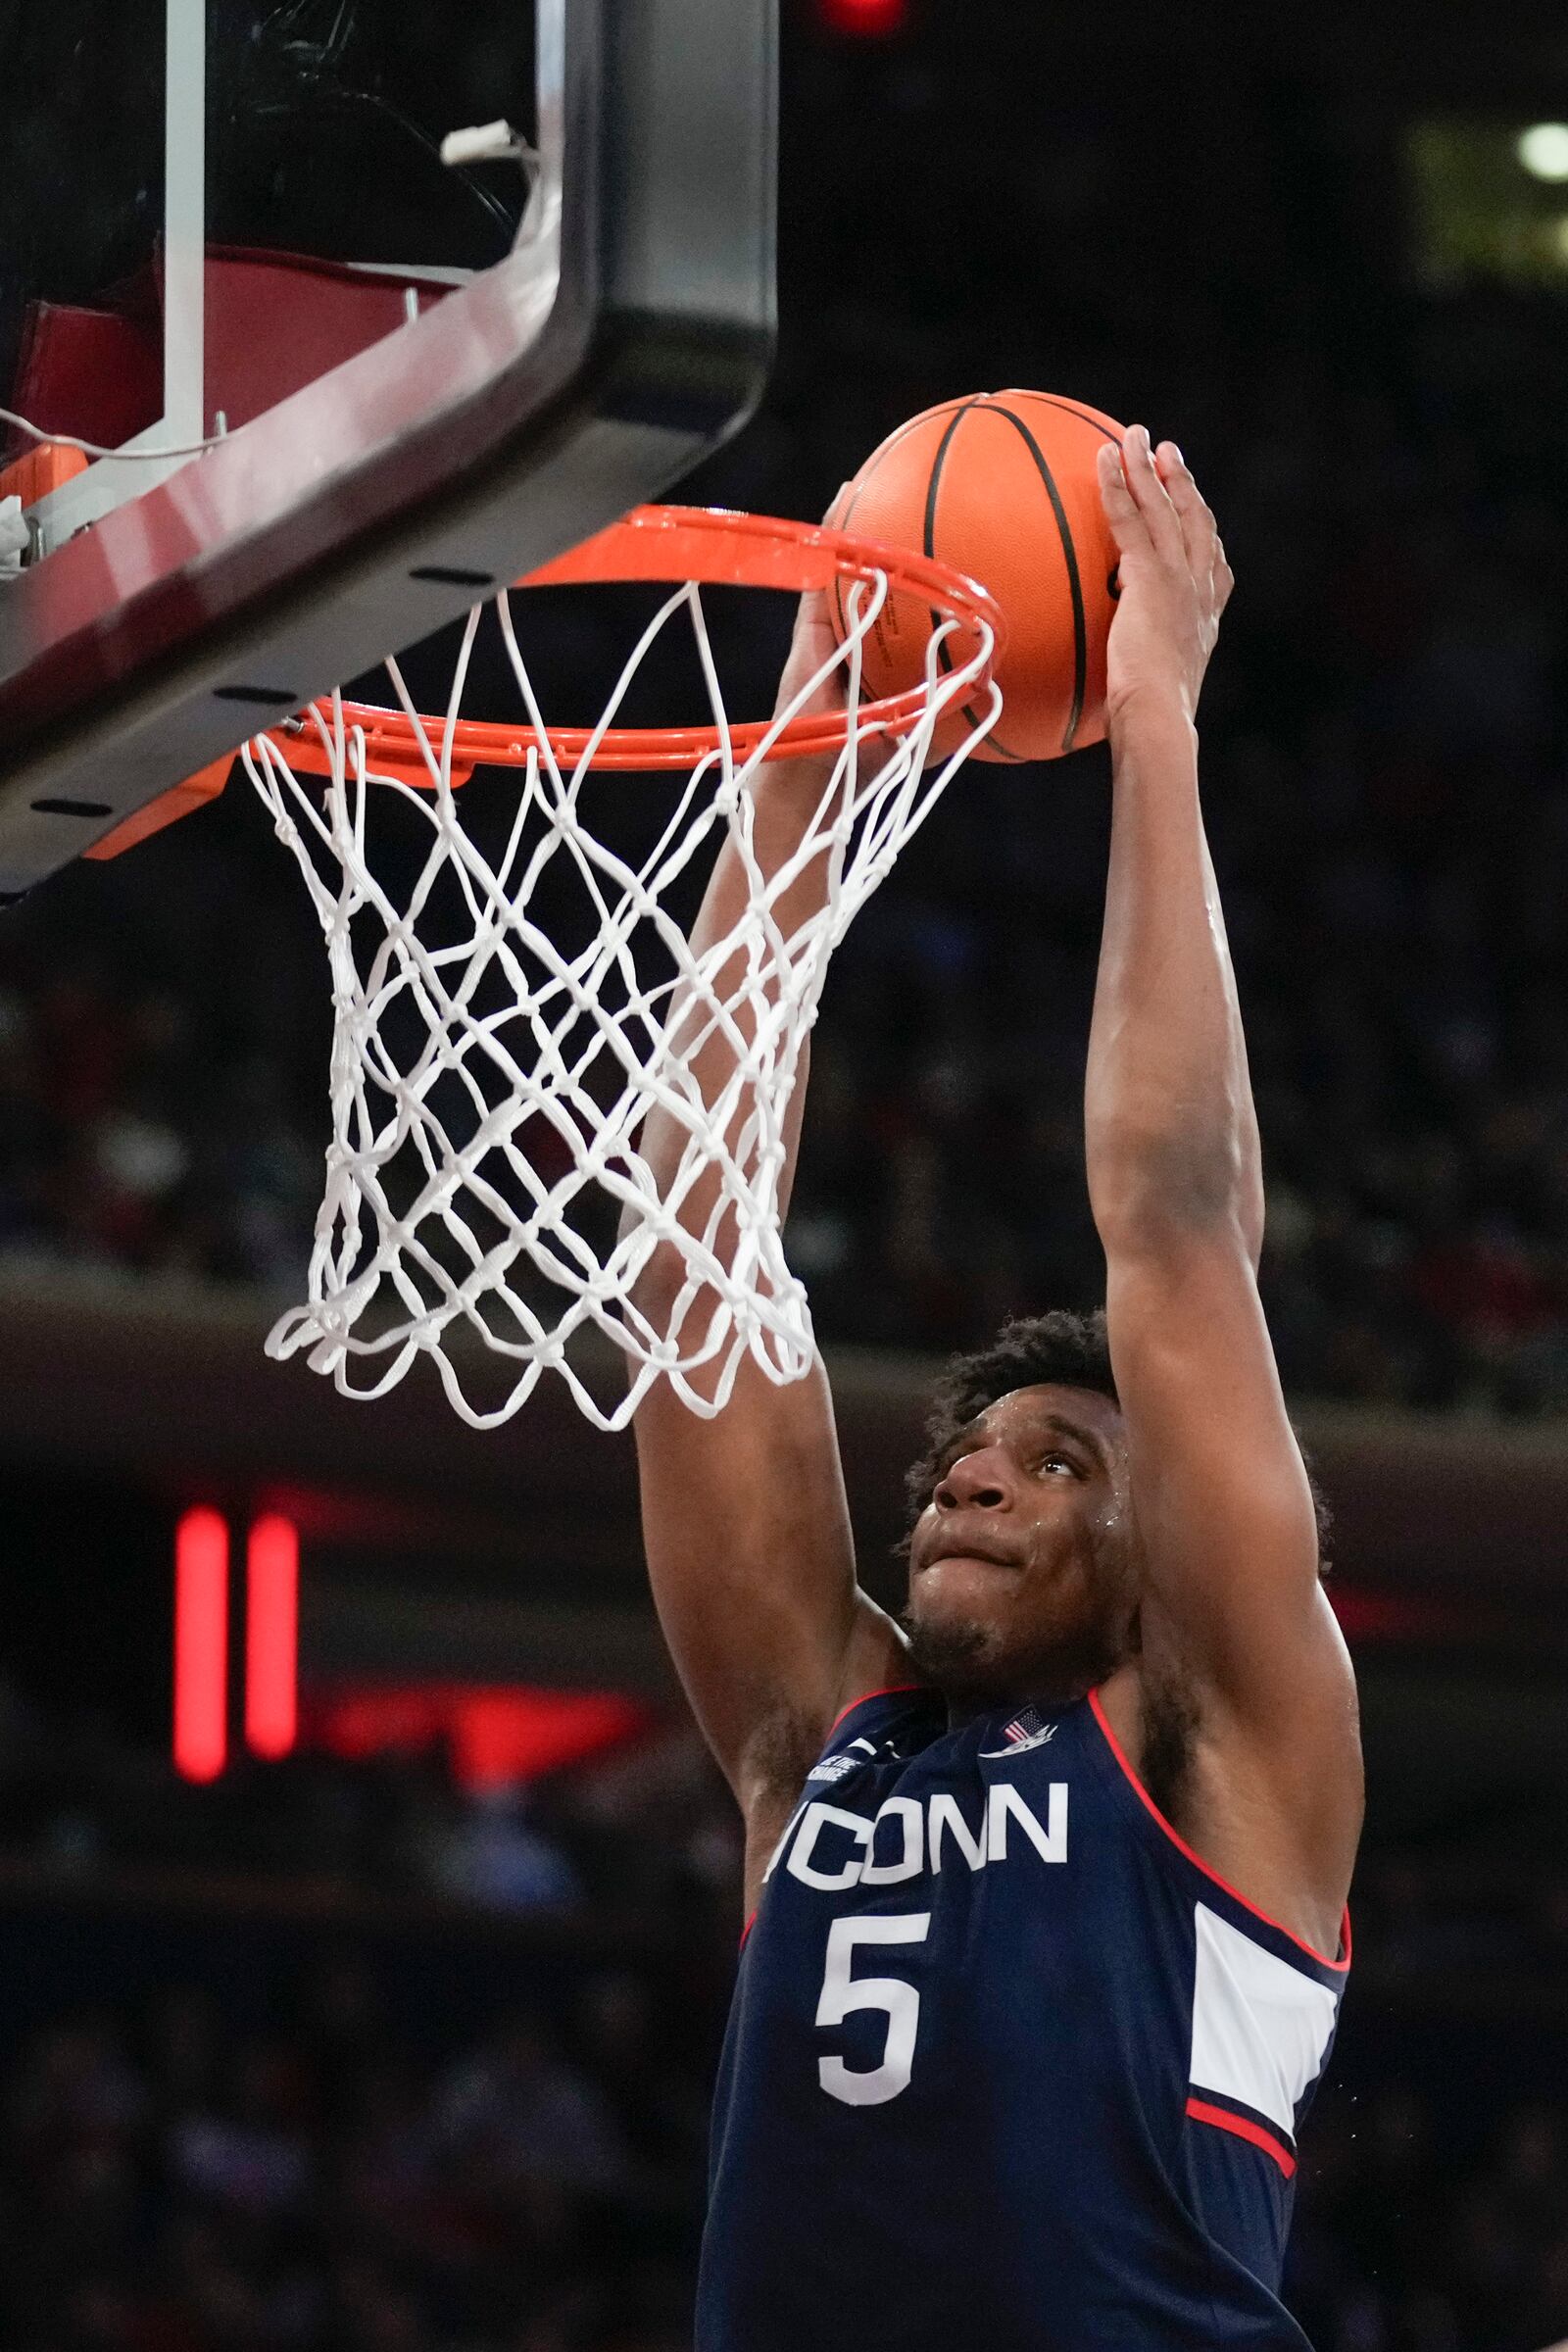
column 714, row 548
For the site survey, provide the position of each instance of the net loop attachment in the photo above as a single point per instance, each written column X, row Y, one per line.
column 514, row 990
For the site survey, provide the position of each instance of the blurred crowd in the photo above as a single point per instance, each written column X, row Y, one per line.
column 177, row 2181
column 131, row 1139
column 289, row 2064
column 1424, row 2229
column 469, row 2112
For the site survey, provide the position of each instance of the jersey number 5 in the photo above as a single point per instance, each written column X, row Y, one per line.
column 870, row 2087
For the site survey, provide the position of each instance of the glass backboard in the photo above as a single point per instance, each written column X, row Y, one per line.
column 361, row 308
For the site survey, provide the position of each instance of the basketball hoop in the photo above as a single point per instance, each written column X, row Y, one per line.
column 503, row 1025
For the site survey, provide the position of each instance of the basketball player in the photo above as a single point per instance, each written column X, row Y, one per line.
column 1046, row 1880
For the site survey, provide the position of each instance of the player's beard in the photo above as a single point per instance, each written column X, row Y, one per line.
column 952, row 1657
column 970, row 1662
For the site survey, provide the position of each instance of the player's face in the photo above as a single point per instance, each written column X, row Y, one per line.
column 1023, row 1578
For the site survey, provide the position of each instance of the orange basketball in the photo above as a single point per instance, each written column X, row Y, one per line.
column 1002, row 486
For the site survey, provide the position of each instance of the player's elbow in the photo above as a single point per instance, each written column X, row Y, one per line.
column 1155, row 1187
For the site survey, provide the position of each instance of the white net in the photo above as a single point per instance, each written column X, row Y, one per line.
column 508, row 1009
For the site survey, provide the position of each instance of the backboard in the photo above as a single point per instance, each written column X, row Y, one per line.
column 355, row 371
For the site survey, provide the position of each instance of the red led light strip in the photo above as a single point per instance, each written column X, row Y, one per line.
column 271, row 1637
column 201, row 1645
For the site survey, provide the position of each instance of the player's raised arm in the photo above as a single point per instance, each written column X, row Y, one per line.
column 744, row 1520
column 1234, row 1607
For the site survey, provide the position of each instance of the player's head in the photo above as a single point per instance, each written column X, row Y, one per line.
column 1024, row 1562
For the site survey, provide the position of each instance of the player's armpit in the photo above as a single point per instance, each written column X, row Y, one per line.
column 1227, row 1522
column 747, row 1532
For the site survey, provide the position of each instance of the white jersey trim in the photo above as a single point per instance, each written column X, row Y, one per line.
column 1260, row 2027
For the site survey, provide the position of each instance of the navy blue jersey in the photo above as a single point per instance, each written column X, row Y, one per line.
column 1008, row 2068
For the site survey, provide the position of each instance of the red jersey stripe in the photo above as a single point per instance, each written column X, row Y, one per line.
column 1208, row 1869
column 888, row 1691
column 1245, row 2129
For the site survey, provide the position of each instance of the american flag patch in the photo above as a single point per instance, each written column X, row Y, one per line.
column 1028, row 1729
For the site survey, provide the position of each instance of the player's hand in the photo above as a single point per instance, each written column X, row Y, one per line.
column 813, row 644
column 815, row 641
column 1174, row 579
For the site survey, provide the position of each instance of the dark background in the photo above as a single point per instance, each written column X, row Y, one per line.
column 336, row 2054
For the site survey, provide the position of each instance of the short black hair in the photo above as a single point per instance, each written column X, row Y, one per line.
column 1059, row 1349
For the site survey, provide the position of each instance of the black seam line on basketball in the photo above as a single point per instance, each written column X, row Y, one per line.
column 981, row 400
column 857, row 489
column 1080, row 624
column 1070, row 408
column 842, row 525
column 929, row 533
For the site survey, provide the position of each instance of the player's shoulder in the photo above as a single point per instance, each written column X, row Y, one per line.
column 906, row 1700
column 906, row 1714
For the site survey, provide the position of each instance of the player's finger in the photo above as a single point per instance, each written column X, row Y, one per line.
column 1148, row 491
column 1200, row 533
column 813, row 631
column 1224, row 577
column 1127, row 525
column 813, row 624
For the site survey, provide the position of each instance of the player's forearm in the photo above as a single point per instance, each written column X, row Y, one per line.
column 1171, row 1136
column 789, row 796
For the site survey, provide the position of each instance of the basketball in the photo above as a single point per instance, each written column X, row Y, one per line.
column 1002, row 486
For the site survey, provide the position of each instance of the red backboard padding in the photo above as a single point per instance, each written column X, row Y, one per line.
column 278, row 320
column 96, row 374
column 275, row 321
